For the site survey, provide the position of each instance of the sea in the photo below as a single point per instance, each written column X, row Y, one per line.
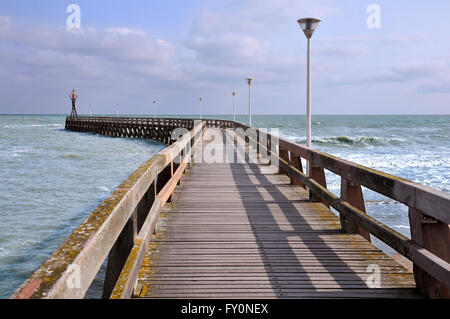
column 52, row 179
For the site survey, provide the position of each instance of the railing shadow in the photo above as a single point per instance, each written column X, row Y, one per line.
column 296, row 259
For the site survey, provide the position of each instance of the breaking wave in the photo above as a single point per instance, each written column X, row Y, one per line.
column 357, row 141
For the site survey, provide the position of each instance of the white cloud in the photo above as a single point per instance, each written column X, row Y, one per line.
column 113, row 43
column 422, row 76
column 5, row 22
column 126, row 31
column 343, row 46
column 258, row 16
column 403, row 38
column 222, row 44
column 238, row 38
column 99, row 62
column 229, row 49
column 441, row 87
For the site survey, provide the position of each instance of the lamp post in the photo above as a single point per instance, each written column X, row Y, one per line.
column 117, row 109
column 154, row 109
column 234, row 106
column 90, row 110
column 249, row 81
column 201, row 108
column 308, row 26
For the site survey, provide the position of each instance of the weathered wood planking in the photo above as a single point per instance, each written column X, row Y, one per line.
column 236, row 231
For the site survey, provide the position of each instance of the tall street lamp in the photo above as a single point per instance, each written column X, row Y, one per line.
column 249, row 81
column 234, row 106
column 117, row 109
column 154, row 109
column 201, row 108
column 308, row 26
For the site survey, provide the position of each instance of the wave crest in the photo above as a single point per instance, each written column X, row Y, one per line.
column 357, row 141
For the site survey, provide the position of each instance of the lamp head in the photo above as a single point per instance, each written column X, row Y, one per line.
column 249, row 80
column 234, row 93
column 309, row 25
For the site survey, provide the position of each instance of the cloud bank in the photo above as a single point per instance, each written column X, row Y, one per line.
column 221, row 46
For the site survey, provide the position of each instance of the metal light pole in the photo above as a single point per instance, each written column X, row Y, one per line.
column 249, row 81
column 234, row 106
column 308, row 26
column 154, row 109
column 118, row 109
column 201, row 108
column 90, row 110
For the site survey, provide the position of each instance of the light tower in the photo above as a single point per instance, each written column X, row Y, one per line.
column 73, row 97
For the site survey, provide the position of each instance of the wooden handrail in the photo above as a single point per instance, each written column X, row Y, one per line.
column 70, row 270
column 430, row 201
column 126, row 283
column 407, row 192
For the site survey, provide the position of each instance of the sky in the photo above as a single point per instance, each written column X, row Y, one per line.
column 394, row 59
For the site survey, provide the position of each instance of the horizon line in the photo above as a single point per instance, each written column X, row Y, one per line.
column 263, row 114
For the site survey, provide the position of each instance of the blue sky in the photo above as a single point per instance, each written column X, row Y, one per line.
column 132, row 52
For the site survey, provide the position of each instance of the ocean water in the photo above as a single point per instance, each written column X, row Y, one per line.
column 52, row 179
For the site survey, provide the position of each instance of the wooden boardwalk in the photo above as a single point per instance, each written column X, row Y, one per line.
column 180, row 228
column 241, row 231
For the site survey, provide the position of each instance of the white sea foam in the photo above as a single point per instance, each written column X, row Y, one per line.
column 105, row 188
column 401, row 226
column 32, row 125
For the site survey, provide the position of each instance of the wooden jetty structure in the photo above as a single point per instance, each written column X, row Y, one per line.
column 183, row 227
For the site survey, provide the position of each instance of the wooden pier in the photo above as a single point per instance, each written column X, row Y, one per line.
column 249, row 224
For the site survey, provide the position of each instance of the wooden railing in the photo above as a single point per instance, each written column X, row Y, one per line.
column 126, row 283
column 123, row 220
column 429, row 209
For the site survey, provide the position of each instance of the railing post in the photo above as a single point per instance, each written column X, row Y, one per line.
column 163, row 178
column 434, row 236
column 296, row 161
column 118, row 255
column 145, row 205
column 284, row 155
column 352, row 194
column 317, row 174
